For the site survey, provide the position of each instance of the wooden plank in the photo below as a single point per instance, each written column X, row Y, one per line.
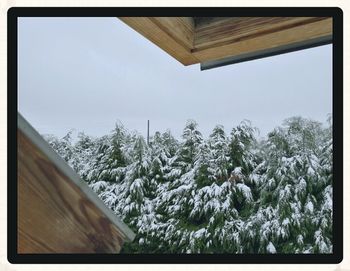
column 299, row 33
column 55, row 213
column 171, row 35
column 202, row 21
column 181, row 29
column 231, row 30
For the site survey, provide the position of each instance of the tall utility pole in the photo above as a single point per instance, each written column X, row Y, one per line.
column 147, row 132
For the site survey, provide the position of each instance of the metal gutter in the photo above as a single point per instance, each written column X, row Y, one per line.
column 267, row 53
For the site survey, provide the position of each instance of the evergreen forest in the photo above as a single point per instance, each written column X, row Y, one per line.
column 228, row 193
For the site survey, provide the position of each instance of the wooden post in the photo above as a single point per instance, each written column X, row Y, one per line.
column 147, row 132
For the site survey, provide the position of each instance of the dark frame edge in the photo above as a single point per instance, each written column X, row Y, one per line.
column 12, row 255
column 15, row 258
column 337, row 84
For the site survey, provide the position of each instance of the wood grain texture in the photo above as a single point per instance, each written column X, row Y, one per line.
column 292, row 35
column 193, row 40
column 203, row 21
column 166, row 34
column 181, row 29
column 54, row 215
column 231, row 30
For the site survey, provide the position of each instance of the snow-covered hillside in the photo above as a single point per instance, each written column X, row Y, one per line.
column 225, row 194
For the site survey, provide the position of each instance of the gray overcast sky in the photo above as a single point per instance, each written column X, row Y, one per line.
column 85, row 73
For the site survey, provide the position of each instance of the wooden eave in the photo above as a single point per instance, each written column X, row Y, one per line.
column 193, row 40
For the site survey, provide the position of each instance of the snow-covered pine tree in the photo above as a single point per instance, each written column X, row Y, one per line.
column 83, row 154
column 219, row 155
column 62, row 146
column 240, row 152
column 192, row 138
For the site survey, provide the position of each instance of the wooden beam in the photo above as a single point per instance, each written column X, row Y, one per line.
column 58, row 212
column 256, row 42
column 235, row 29
column 172, row 34
column 193, row 40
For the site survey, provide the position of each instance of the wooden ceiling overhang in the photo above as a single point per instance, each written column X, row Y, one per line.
column 57, row 211
column 210, row 40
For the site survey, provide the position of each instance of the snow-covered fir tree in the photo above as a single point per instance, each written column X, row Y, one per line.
column 225, row 194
